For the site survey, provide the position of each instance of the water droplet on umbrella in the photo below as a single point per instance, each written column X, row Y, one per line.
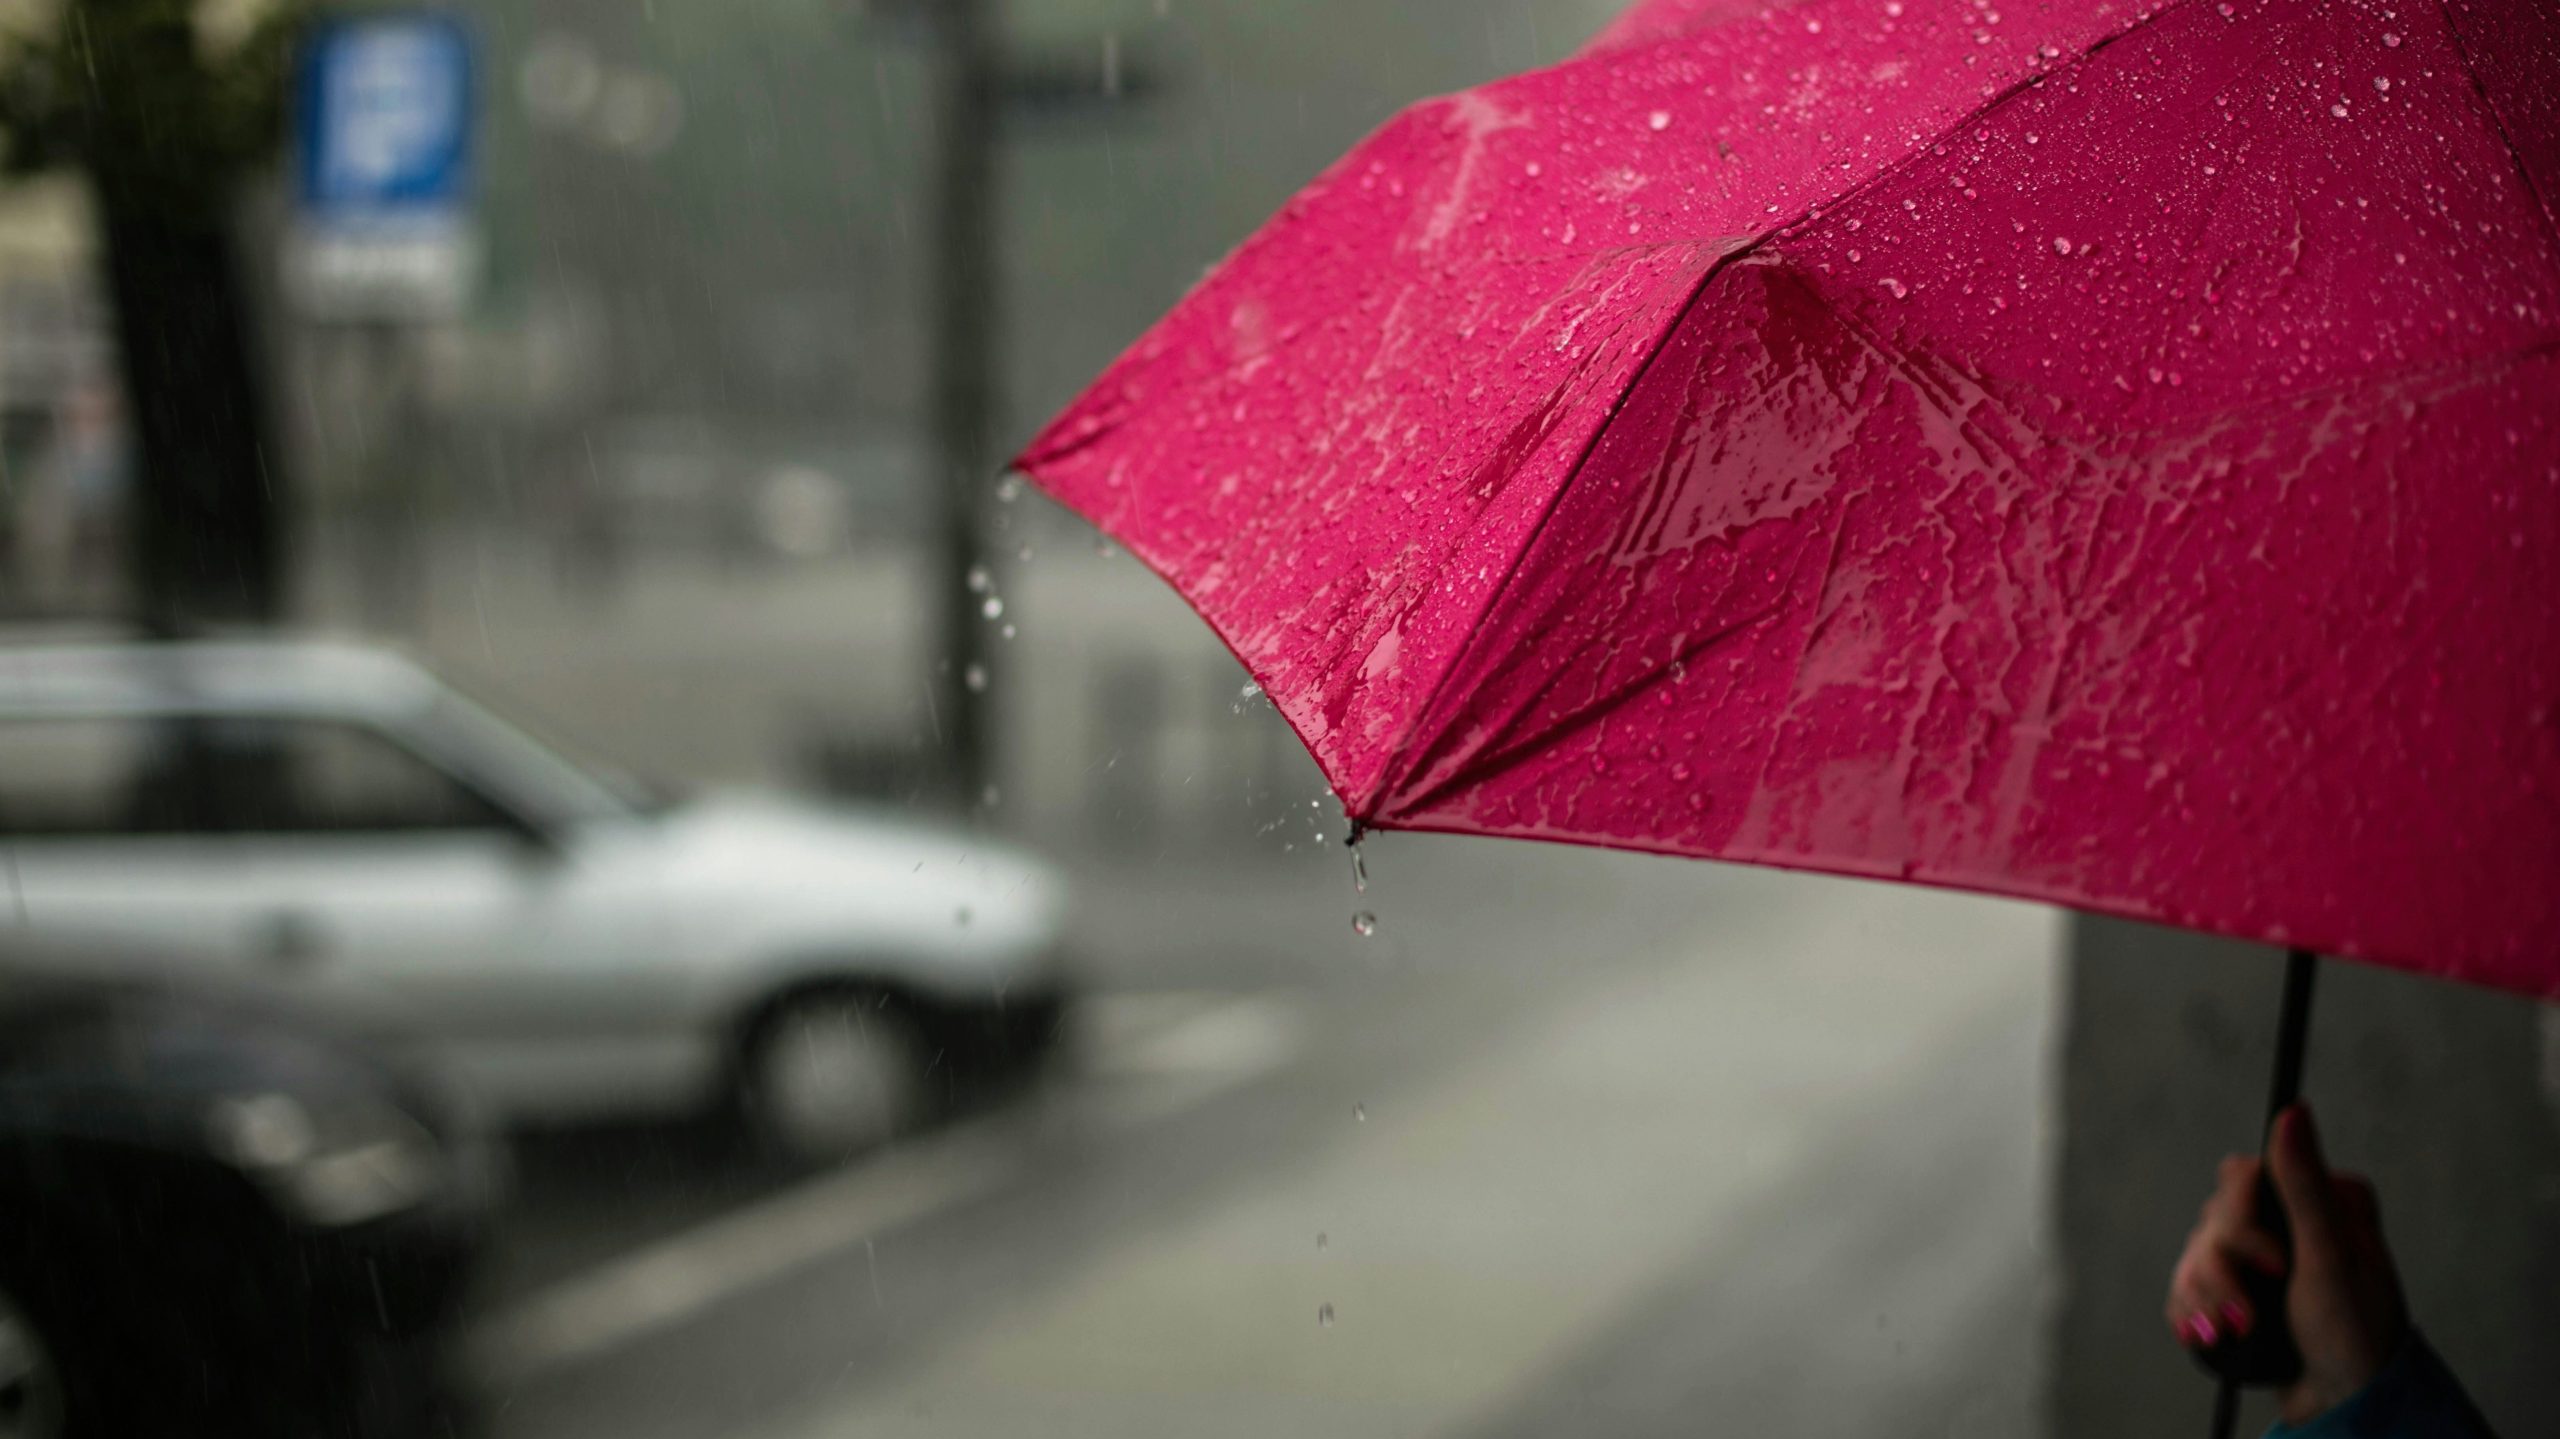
column 2382, row 83
column 1364, row 924
column 2061, row 245
column 2339, row 109
column 2390, row 39
column 1250, row 697
column 1659, row 120
column 1896, row 288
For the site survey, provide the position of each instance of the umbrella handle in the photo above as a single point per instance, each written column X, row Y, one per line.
column 2266, row 1355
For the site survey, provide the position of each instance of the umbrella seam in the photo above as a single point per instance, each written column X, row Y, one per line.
column 2498, row 123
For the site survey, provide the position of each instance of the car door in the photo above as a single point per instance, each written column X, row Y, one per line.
column 103, row 839
column 385, row 887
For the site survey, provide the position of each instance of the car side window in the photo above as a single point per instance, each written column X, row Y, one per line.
column 69, row 776
column 272, row 775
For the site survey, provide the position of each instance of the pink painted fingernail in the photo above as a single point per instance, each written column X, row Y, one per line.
column 2202, row 1329
column 2235, row 1316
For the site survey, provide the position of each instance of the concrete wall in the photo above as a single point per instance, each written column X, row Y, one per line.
column 2444, row 1095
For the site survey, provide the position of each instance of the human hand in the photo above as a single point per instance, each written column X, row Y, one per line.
column 2342, row 1296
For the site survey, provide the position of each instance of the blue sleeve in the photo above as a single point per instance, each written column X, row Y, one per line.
column 2414, row 1397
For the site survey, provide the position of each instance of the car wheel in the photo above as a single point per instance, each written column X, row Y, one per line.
column 31, row 1389
column 827, row 1076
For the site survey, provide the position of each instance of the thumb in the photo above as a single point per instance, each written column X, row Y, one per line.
column 2302, row 1177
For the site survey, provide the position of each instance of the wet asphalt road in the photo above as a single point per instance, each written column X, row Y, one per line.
column 1578, row 1143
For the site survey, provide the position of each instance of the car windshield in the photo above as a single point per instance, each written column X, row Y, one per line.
column 536, row 773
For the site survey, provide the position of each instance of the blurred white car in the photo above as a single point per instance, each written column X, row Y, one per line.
column 335, row 822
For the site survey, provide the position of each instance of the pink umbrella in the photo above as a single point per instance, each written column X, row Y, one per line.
column 2058, row 449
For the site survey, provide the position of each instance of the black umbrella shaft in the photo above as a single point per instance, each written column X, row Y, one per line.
column 2284, row 1086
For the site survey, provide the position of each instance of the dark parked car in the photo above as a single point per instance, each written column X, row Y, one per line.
column 214, row 1220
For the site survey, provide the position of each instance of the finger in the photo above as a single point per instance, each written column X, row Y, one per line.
column 2255, row 1248
column 2207, row 1288
column 2302, row 1178
column 2235, row 1192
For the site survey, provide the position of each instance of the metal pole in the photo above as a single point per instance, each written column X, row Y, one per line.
column 963, row 380
column 2273, row 1350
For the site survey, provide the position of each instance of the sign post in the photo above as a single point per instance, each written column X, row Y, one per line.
column 383, row 241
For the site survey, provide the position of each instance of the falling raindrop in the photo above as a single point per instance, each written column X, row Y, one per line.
column 962, row 916
column 1250, row 697
column 1359, row 869
column 993, row 608
column 979, row 580
column 976, row 678
column 1010, row 632
column 1321, row 1241
column 1360, row 1112
column 1324, row 1317
column 1364, row 924
column 1009, row 489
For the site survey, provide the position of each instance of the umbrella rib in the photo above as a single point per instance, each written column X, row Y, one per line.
column 1487, row 766
column 1399, row 767
column 2498, row 123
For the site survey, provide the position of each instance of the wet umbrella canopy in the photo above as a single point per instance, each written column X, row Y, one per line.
column 2064, row 450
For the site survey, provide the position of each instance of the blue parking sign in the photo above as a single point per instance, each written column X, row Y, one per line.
column 383, row 165
column 386, row 112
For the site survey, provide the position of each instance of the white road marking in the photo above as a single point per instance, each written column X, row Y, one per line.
column 1152, row 1056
